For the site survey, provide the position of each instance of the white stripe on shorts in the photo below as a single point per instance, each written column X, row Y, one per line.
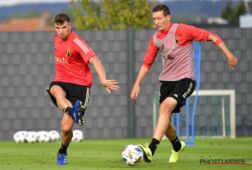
column 87, row 98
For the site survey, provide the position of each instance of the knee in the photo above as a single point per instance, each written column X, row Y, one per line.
column 167, row 106
column 56, row 90
column 165, row 109
column 66, row 130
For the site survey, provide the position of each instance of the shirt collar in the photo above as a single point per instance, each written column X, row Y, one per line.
column 161, row 34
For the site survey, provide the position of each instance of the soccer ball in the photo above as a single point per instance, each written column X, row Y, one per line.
column 132, row 154
column 54, row 135
column 31, row 137
column 43, row 136
column 20, row 136
column 77, row 136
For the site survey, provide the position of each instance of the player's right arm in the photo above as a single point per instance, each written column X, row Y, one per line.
column 149, row 59
column 136, row 88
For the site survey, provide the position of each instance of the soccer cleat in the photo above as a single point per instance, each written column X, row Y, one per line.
column 147, row 154
column 78, row 113
column 62, row 159
column 175, row 155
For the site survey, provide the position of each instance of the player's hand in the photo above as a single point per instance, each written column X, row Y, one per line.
column 232, row 61
column 135, row 92
column 110, row 85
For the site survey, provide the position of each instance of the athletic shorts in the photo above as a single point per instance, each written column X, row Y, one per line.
column 179, row 90
column 74, row 92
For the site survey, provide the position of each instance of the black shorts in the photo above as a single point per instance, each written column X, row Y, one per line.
column 74, row 92
column 179, row 90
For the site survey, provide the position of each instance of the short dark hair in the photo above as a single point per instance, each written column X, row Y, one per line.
column 61, row 18
column 162, row 7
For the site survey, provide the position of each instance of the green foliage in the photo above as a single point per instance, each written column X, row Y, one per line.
column 112, row 14
column 232, row 14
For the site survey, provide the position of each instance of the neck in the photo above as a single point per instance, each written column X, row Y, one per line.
column 167, row 27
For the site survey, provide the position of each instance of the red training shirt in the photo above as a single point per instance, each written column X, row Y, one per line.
column 72, row 58
column 185, row 34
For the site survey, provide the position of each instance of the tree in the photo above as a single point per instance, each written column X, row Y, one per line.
column 112, row 14
column 232, row 14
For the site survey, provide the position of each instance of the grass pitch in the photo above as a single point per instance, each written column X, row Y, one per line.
column 105, row 154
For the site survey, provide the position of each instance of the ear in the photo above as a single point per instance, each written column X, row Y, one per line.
column 168, row 18
column 69, row 26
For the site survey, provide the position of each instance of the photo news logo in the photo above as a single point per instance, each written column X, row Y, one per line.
column 223, row 162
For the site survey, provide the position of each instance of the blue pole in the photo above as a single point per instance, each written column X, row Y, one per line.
column 177, row 123
column 187, row 121
column 197, row 59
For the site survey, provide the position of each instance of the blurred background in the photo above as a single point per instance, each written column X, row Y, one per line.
column 119, row 31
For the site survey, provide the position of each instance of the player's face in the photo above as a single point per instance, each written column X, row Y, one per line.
column 63, row 30
column 161, row 21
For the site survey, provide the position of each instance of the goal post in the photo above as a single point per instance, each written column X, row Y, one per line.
column 231, row 95
column 214, row 117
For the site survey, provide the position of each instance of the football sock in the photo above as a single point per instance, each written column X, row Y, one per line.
column 176, row 144
column 63, row 149
column 69, row 111
column 153, row 145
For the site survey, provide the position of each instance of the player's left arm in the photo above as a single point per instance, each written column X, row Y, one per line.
column 89, row 56
column 199, row 34
column 231, row 59
column 110, row 85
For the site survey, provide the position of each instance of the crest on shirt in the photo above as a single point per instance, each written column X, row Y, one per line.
column 162, row 46
column 176, row 40
column 68, row 53
column 170, row 57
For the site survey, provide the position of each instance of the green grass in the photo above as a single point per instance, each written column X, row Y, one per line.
column 105, row 154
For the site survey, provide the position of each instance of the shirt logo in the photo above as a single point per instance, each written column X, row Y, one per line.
column 162, row 46
column 65, row 58
column 68, row 53
column 170, row 57
column 176, row 40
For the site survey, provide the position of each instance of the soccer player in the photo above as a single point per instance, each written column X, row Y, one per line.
column 70, row 89
column 177, row 78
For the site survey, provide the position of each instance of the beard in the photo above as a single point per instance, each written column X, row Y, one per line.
column 62, row 36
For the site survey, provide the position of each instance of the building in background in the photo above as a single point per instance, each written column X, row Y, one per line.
column 246, row 20
column 27, row 24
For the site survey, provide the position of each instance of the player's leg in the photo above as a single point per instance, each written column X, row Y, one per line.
column 60, row 96
column 66, row 129
column 180, row 92
column 79, row 109
column 167, row 104
column 78, row 102
column 57, row 92
column 66, row 136
column 165, row 115
column 171, row 134
column 79, row 96
column 166, row 108
column 178, row 145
